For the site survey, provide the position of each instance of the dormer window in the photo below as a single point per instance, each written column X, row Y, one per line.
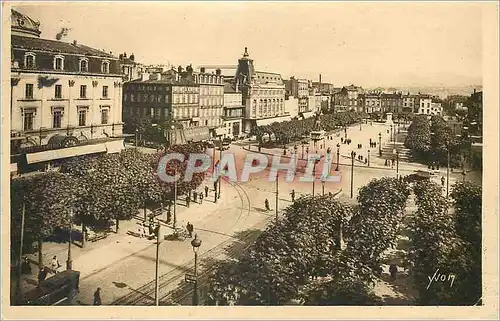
column 29, row 60
column 84, row 65
column 58, row 63
column 105, row 67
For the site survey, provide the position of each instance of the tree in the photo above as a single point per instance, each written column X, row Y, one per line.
column 49, row 199
column 419, row 138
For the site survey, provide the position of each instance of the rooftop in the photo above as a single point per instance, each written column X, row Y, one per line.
column 31, row 43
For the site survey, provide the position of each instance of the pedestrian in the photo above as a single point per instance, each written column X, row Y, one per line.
column 169, row 213
column 97, row 297
column 385, row 164
column 42, row 274
column 55, row 265
column 201, row 198
column 370, row 141
column 342, row 140
column 188, row 199
column 142, row 230
column 393, row 270
column 195, row 196
column 442, row 180
column 366, row 160
column 206, row 191
column 392, row 162
column 266, row 203
column 215, row 185
column 190, row 229
column 293, row 195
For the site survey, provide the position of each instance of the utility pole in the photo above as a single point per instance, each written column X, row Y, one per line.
column 20, row 267
column 277, row 193
column 368, row 158
column 314, row 175
column 353, row 154
column 448, row 172
column 220, row 168
column 157, row 273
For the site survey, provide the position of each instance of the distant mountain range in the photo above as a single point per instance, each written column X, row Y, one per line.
column 440, row 91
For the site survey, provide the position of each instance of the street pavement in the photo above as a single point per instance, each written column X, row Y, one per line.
column 123, row 266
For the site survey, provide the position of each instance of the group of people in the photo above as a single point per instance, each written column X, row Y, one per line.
column 345, row 141
column 390, row 162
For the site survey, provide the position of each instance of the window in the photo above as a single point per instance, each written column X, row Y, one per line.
column 56, row 118
column 29, row 60
column 105, row 67
column 104, row 91
column 82, row 118
column 83, row 93
column 28, row 117
column 29, row 91
column 58, row 63
column 58, row 91
column 104, row 116
column 84, row 65
column 206, row 122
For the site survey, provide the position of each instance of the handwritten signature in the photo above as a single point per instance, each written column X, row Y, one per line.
column 438, row 277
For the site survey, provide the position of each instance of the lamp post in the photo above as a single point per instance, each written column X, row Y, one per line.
column 220, row 169
column 307, row 151
column 277, row 178
column 157, row 267
column 322, row 186
column 397, row 163
column 136, row 133
column 353, row 154
column 380, row 144
column 448, row 170
column 195, row 243
column 175, row 205
column 368, row 158
column 314, row 174
column 390, row 138
column 338, row 157
column 69, row 262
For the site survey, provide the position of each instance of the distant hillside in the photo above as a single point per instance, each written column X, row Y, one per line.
column 442, row 92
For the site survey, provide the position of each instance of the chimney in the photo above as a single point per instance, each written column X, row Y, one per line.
column 132, row 57
column 320, row 79
column 75, row 43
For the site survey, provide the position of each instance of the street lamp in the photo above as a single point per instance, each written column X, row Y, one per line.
column 396, row 152
column 136, row 133
column 368, row 158
column 195, row 243
column 353, row 154
column 323, row 186
column 380, row 144
column 69, row 262
column 314, row 173
column 277, row 178
column 157, row 267
column 338, row 157
column 220, row 169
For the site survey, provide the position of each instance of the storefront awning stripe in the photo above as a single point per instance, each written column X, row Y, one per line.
column 64, row 153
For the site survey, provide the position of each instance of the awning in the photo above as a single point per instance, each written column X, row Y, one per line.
column 115, row 146
column 64, row 153
column 268, row 121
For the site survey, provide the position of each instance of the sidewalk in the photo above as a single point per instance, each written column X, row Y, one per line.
column 97, row 256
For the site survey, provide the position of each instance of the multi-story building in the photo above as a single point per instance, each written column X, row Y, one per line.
column 64, row 96
column 370, row 102
column 130, row 69
column 211, row 99
column 263, row 94
column 348, row 99
column 299, row 88
column 234, row 112
column 391, row 102
column 423, row 103
column 172, row 95
column 409, row 103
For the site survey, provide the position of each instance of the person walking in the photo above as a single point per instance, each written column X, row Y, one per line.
column 201, row 198
column 393, row 270
column 293, row 195
column 55, row 265
column 188, row 200
column 206, row 191
column 442, row 180
column 42, row 274
column 190, row 229
column 195, row 196
column 266, row 203
column 97, row 297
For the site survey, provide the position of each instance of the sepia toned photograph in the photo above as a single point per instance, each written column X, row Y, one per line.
column 236, row 154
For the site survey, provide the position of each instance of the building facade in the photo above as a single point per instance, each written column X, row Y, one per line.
column 409, row 103
column 211, row 99
column 263, row 94
column 371, row 102
column 62, row 95
column 391, row 102
column 234, row 113
column 348, row 99
column 130, row 69
column 299, row 88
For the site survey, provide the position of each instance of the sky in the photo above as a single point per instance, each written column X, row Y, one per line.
column 362, row 43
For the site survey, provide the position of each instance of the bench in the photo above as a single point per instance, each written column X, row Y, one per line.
column 96, row 237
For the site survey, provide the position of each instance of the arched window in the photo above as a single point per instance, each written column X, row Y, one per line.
column 105, row 67
column 29, row 60
column 59, row 62
column 84, row 65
